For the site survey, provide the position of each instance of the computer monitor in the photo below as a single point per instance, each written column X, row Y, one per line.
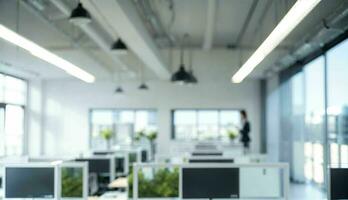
column 97, row 165
column 144, row 157
column 203, row 153
column 210, row 183
column 212, row 160
column 338, row 183
column 120, row 164
column 74, row 180
column 103, row 153
column 132, row 157
column 205, row 147
column 29, row 182
column 102, row 166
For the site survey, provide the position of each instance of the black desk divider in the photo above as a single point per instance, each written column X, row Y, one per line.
column 210, row 183
column 338, row 183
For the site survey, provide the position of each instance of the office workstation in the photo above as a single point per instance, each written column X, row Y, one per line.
column 173, row 99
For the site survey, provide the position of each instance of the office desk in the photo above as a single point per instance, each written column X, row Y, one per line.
column 119, row 183
column 111, row 196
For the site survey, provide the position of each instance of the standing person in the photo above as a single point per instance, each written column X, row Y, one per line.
column 245, row 131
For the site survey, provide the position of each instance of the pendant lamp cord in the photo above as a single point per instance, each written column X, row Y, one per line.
column 182, row 52
column 119, row 77
column 17, row 21
column 142, row 79
column 186, row 36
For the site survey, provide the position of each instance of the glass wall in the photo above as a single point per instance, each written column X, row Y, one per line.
column 314, row 105
column 302, row 124
column 13, row 98
column 193, row 124
column 314, row 120
column 337, row 84
column 123, row 123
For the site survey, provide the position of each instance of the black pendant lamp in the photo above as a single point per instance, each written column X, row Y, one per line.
column 119, row 89
column 142, row 85
column 80, row 16
column 192, row 78
column 119, row 47
column 181, row 76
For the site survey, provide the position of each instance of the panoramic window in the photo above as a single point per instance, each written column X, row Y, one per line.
column 338, row 104
column 122, row 123
column 13, row 98
column 212, row 124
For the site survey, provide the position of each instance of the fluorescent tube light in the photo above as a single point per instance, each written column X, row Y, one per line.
column 44, row 54
column 294, row 16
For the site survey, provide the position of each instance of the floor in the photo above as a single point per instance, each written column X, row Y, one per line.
column 306, row 191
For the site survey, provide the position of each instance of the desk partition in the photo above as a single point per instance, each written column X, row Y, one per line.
column 255, row 181
column 338, row 181
column 73, row 180
column 46, row 181
column 31, row 180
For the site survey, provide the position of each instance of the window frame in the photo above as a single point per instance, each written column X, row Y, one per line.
column 25, row 141
column 196, row 110
column 113, row 110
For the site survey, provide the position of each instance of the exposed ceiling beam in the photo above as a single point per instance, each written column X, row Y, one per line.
column 74, row 44
column 95, row 34
column 124, row 18
column 246, row 23
column 99, row 17
column 210, row 27
column 186, row 47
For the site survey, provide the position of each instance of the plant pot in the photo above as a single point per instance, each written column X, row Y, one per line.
column 153, row 148
column 108, row 145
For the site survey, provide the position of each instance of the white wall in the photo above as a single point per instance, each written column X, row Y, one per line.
column 34, row 118
column 68, row 102
column 34, row 109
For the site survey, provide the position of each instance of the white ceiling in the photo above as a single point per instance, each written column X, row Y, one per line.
column 190, row 17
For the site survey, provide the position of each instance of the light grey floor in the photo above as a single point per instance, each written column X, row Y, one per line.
column 306, row 191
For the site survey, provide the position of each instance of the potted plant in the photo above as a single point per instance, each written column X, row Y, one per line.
column 151, row 136
column 232, row 135
column 107, row 134
column 139, row 135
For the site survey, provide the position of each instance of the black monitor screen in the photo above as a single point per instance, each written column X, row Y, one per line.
column 339, row 183
column 97, row 165
column 211, row 160
column 29, row 182
column 206, row 147
column 143, row 156
column 210, row 183
column 207, row 154
column 103, row 153
column 120, row 165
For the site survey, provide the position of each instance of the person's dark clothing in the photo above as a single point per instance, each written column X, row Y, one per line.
column 245, row 139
